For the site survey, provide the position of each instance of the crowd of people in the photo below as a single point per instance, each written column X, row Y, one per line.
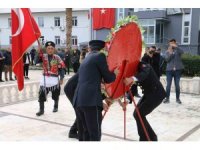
column 71, row 59
column 84, row 89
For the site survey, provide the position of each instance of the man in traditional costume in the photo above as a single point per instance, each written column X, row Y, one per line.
column 50, row 82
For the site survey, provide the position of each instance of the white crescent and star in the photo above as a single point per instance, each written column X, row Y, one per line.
column 20, row 16
column 103, row 11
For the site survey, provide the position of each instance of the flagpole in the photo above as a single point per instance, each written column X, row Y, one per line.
column 40, row 52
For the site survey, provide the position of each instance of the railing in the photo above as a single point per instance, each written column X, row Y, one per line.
column 9, row 94
column 187, row 85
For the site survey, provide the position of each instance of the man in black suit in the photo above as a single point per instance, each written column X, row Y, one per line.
column 88, row 99
column 153, row 92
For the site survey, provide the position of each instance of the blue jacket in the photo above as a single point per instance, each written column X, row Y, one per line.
column 93, row 69
column 8, row 58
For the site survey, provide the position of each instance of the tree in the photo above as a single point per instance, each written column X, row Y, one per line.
column 68, row 27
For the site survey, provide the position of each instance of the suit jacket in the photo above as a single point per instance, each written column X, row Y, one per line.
column 70, row 87
column 25, row 56
column 150, row 84
column 91, row 72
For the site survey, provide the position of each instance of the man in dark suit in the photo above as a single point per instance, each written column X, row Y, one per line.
column 2, row 58
column 153, row 92
column 88, row 99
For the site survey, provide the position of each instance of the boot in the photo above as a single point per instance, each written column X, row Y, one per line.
column 73, row 131
column 55, row 108
column 41, row 110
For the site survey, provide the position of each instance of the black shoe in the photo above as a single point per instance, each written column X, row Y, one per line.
column 73, row 135
column 178, row 101
column 1, row 81
column 166, row 101
column 55, row 109
column 12, row 79
column 39, row 113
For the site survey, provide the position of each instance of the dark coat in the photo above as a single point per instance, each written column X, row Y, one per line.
column 70, row 87
column 25, row 56
column 1, row 61
column 91, row 72
column 75, row 57
column 153, row 61
column 150, row 84
column 8, row 58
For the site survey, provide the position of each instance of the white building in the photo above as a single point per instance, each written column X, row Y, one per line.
column 52, row 24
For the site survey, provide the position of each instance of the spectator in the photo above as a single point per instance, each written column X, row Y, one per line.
column 152, row 57
column 174, row 69
column 2, row 58
column 26, row 60
column 67, row 60
column 162, row 61
column 33, row 53
column 8, row 64
column 61, row 53
column 75, row 59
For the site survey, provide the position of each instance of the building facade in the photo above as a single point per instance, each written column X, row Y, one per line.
column 162, row 24
column 52, row 24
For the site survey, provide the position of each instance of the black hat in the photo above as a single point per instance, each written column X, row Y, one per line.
column 96, row 44
column 49, row 43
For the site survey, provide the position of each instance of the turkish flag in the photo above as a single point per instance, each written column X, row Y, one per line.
column 103, row 18
column 24, row 33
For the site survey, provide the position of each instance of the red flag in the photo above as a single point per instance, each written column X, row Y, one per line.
column 103, row 18
column 24, row 33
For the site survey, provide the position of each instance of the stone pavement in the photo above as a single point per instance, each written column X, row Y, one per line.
column 171, row 122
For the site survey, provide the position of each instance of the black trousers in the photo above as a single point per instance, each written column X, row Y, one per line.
column 1, row 70
column 54, row 90
column 26, row 69
column 146, row 105
column 134, row 89
column 90, row 117
column 67, row 67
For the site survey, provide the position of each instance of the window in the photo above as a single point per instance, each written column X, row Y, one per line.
column 41, row 21
column 186, row 27
column 57, row 40
column 57, row 21
column 9, row 22
column 74, row 21
column 159, row 32
column 120, row 13
column 149, row 33
column 74, row 40
column 10, row 39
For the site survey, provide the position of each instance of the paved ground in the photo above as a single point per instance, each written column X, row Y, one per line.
column 172, row 122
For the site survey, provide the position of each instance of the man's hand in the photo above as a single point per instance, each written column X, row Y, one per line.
column 105, row 107
column 116, row 71
column 123, row 104
column 128, row 81
column 170, row 49
column 108, row 101
column 174, row 45
column 61, row 82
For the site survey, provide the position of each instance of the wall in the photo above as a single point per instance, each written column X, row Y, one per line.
column 82, row 31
